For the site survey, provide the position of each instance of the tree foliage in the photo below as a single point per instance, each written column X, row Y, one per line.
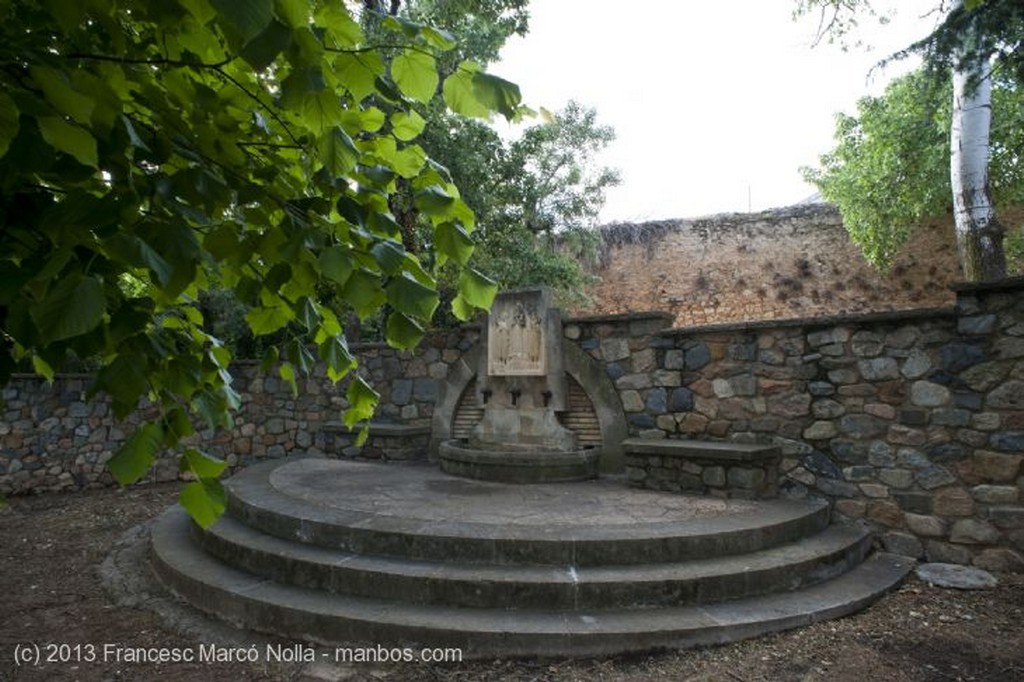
column 998, row 24
column 153, row 151
column 889, row 169
column 537, row 198
column 875, row 171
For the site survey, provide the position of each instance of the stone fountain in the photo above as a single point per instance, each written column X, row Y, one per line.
column 521, row 386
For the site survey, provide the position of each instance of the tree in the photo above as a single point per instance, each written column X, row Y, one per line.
column 536, row 198
column 523, row 192
column 969, row 39
column 152, row 151
column 889, row 170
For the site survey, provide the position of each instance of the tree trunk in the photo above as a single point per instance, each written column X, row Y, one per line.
column 979, row 235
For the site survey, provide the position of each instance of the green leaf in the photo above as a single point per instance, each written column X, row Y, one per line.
column 363, row 292
column 434, row 200
column 177, row 426
column 403, row 332
column 336, row 264
column 205, row 501
column 339, row 24
column 246, row 19
column 442, row 40
column 202, row 464
column 267, row 320
column 222, row 242
column 408, row 161
column 8, row 122
column 362, row 401
column 453, row 242
column 477, row 289
column 294, row 13
column 321, row 111
column 338, row 153
column 70, row 139
column 408, row 296
column 390, row 255
column 406, row 125
column 462, row 310
column 262, row 50
column 460, row 93
column 270, row 357
column 339, row 360
column 125, row 380
column 73, row 306
column 131, row 250
column 287, row 373
column 497, row 94
column 42, row 368
column 68, row 14
column 61, row 95
column 358, row 73
column 221, row 356
column 415, row 74
column 356, row 121
column 137, row 455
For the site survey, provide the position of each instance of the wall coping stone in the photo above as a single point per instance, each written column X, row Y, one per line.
column 1005, row 284
column 383, row 429
column 703, row 449
column 813, row 322
column 621, row 317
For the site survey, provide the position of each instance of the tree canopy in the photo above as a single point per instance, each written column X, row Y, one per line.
column 151, row 151
column 536, row 198
column 889, row 169
column 874, row 172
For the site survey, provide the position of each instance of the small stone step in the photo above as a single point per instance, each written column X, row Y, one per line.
column 296, row 612
column 825, row 555
column 702, row 449
column 443, row 518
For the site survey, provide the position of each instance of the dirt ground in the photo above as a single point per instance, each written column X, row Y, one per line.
column 51, row 594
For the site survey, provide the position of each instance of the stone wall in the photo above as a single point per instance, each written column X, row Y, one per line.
column 784, row 263
column 51, row 438
column 913, row 421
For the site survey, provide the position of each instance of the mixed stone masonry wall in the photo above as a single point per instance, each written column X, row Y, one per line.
column 52, row 438
column 912, row 421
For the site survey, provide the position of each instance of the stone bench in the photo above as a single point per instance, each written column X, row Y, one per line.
column 396, row 442
column 715, row 468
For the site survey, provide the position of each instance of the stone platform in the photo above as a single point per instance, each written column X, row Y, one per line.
column 345, row 552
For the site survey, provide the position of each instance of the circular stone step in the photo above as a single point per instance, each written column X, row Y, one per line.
column 302, row 613
column 517, row 466
column 827, row 554
column 419, row 513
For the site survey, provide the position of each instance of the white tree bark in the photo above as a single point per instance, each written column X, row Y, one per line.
column 979, row 235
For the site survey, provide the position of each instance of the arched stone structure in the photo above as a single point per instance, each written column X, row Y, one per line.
column 581, row 367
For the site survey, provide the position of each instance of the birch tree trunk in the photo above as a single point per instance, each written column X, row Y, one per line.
column 979, row 235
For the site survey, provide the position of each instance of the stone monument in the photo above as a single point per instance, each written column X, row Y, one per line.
column 521, row 386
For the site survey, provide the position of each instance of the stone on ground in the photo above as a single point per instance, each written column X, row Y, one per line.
column 956, row 576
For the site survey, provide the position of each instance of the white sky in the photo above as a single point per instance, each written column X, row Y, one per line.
column 710, row 99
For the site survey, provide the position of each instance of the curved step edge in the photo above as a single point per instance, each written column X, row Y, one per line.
column 820, row 557
column 297, row 613
column 257, row 504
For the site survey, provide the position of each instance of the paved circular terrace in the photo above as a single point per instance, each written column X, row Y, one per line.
column 426, row 494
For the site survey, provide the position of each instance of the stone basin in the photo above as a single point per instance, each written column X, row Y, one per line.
column 515, row 465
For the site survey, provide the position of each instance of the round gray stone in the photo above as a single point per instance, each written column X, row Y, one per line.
column 956, row 576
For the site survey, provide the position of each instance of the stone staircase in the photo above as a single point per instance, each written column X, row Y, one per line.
column 341, row 553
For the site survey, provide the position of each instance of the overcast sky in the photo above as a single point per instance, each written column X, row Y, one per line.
column 716, row 104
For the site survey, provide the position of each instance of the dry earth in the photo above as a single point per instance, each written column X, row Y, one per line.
column 52, row 547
